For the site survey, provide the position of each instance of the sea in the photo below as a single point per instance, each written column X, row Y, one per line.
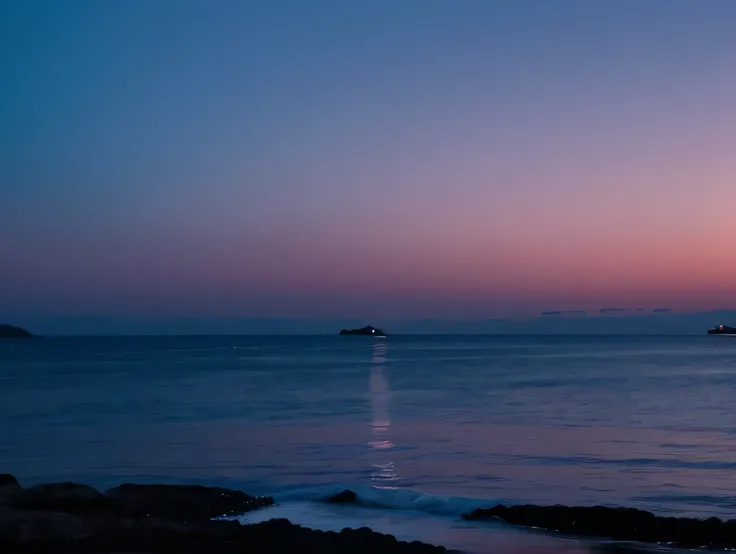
column 423, row 428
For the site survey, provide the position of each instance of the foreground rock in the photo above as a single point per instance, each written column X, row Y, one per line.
column 12, row 332
column 62, row 497
column 623, row 524
column 171, row 502
column 66, row 518
column 182, row 502
column 217, row 537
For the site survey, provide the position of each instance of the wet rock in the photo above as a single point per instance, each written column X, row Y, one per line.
column 157, row 535
column 46, row 531
column 68, row 518
column 183, row 502
column 279, row 535
column 345, row 497
column 623, row 524
column 151, row 535
column 62, row 497
column 23, row 526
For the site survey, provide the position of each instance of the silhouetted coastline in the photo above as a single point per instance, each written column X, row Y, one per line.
column 13, row 332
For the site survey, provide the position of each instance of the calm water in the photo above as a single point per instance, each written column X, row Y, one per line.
column 424, row 427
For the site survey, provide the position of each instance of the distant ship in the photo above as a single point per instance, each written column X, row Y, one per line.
column 723, row 330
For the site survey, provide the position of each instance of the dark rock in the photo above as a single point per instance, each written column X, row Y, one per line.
column 38, row 532
column 623, row 524
column 279, row 535
column 9, row 488
column 24, row 526
column 344, row 497
column 369, row 331
column 620, row 548
column 68, row 518
column 7, row 479
column 62, row 497
column 11, row 332
column 183, row 502
column 48, row 531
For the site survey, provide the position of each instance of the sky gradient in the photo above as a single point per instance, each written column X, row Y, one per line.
column 413, row 158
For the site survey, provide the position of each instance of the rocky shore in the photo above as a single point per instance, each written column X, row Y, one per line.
column 620, row 524
column 598, row 522
column 68, row 518
column 74, row 518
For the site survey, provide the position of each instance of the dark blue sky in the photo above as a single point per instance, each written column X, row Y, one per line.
column 329, row 158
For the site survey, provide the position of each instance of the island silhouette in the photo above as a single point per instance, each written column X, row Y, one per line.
column 12, row 332
column 722, row 330
column 367, row 330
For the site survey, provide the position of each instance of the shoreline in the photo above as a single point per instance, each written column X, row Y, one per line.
column 71, row 517
column 61, row 518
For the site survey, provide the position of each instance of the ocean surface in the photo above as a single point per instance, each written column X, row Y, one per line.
column 424, row 428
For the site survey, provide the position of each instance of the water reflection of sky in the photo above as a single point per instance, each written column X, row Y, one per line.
column 647, row 423
column 681, row 472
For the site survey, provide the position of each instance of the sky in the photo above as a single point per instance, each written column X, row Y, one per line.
column 370, row 159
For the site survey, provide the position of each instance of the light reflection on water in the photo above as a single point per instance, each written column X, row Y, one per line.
column 384, row 475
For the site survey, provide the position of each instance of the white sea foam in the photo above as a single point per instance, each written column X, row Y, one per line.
column 402, row 520
column 391, row 499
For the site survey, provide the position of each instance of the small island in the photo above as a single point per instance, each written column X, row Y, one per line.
column 12, row 332
column 722, row 330
column 368, row 330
